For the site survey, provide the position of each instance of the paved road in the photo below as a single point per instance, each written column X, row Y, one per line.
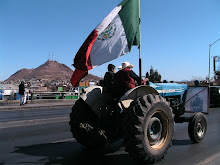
column 41, row 136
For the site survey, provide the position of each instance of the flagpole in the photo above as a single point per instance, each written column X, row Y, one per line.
column 140, row 50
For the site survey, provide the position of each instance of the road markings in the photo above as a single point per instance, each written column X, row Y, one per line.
column 22, row 123
column 210, row 159
column 65, row 140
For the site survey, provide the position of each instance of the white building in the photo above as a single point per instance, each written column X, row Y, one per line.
column 8, row 91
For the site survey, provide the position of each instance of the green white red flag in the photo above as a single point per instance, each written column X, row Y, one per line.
column 111, row 39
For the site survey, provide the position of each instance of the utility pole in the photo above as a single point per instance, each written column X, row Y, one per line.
column 49, row 57
column 52, row 56
column 210, row 58
column 140, row 50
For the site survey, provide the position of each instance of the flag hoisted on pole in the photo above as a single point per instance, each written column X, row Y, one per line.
column 111, row 39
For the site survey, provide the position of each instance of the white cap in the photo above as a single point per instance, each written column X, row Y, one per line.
column 120, row 68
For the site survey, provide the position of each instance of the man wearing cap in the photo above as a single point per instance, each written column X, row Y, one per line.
column 119, row 68
column 125, row 79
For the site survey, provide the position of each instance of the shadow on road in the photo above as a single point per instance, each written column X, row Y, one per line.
column 181, row 142
column 66, row 153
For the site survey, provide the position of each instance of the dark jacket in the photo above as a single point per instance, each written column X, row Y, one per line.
column 109, row 80
column 21, row 89
column 125, row 80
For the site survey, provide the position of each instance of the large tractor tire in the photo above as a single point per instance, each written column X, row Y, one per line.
column 197, row 127
column 83, row 124
column 149, row 128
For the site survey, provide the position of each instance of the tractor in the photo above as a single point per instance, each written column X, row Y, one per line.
column 143, row 118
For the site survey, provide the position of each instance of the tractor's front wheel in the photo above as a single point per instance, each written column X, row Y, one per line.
column 149, row 128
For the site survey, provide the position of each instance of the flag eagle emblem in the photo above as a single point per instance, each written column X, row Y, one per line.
column 108, row 32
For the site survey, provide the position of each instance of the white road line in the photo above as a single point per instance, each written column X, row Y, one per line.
column 22, row 123
column 65, row 140
column 210, row 159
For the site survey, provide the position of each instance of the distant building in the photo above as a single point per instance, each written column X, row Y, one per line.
column 8, row 91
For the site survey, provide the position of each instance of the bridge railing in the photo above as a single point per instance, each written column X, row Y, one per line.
column 53, row 95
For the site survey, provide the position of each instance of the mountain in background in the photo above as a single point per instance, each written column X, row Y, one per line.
column 51, row 70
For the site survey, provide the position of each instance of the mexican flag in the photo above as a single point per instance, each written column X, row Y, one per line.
column 111, row 39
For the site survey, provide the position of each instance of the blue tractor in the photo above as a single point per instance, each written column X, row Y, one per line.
column 143, row 117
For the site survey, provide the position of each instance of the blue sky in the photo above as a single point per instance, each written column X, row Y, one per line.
column 175, row 34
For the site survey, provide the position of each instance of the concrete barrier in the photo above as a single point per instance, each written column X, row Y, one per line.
column 36, row 101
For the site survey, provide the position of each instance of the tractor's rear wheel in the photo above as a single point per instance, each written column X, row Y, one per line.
column 149, row 128
column 83, row 125
column 197, row 127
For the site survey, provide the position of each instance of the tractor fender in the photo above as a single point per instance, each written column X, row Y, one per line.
column 134, row 93
column 95, row 98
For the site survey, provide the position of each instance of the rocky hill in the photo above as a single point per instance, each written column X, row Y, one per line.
column 51, row 70
column 21, row 74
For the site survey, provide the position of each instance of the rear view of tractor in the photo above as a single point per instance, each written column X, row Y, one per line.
column 143, row 117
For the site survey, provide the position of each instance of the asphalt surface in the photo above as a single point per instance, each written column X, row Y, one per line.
column 36, row 104
column 41, row 136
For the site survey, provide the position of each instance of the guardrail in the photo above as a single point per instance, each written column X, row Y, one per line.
column 54, row 95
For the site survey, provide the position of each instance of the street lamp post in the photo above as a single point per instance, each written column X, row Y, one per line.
column 210, row 57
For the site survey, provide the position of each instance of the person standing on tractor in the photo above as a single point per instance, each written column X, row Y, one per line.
column 109, row 78
column 125, row 79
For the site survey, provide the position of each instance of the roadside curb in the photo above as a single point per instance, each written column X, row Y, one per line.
column 35, row 106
